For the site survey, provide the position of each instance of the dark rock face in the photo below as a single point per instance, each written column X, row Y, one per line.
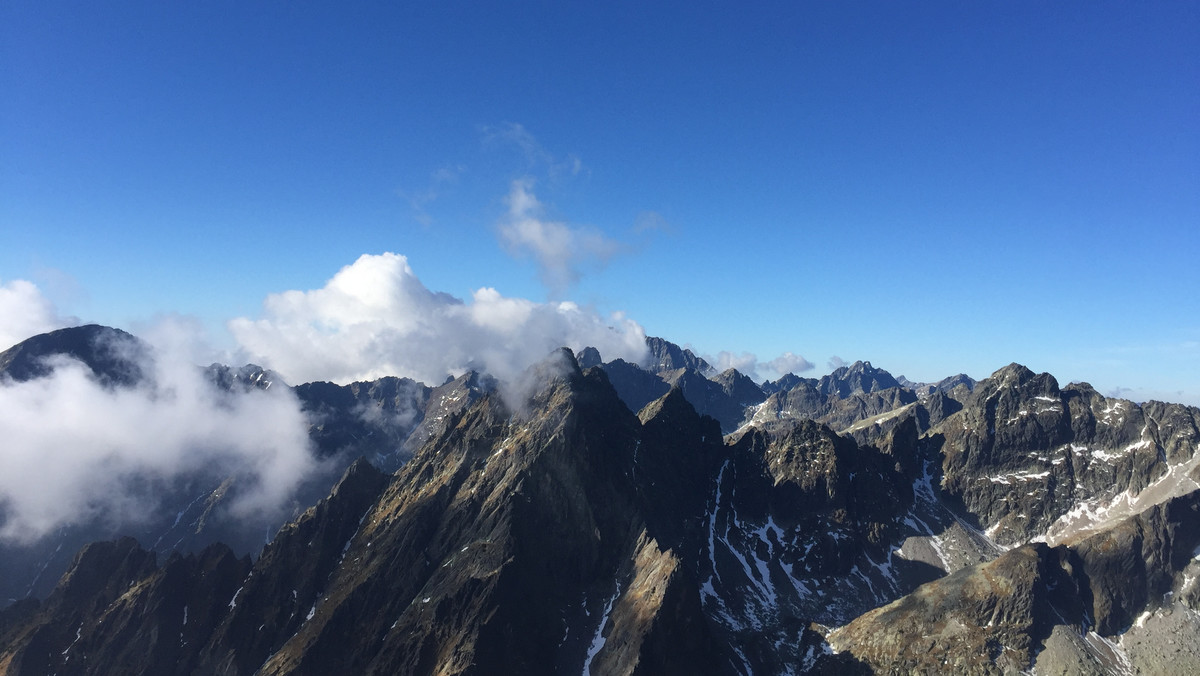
column 244, row 379
column 667, row 356
column 100, row 574
column 634, row 385
column 364, row 418
column 724, row 398
column 114, row 357
column 589, row 357
column 857, row 378
column 1141, row 562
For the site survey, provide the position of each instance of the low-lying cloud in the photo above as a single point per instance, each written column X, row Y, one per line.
column 375, row 318
column 76, row 451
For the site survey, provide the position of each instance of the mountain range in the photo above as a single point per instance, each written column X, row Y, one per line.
column 653, row 518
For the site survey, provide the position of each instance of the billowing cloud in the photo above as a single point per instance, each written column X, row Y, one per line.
column 835, row 362
column 559, row 249
column 25, row 312
column 375, row 318
column 75, row 451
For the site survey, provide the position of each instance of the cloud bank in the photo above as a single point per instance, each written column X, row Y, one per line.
column 375, row 318
column 76, row 451
column 25, row 312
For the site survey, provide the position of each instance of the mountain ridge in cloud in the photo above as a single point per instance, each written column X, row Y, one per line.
column 81, row 448
column 376, row 318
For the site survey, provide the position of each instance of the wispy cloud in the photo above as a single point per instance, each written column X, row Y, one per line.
column 537, row 158
column 560, row 250
column 420, row 200
column 835, row 362
column 376, row 318
column 650, row 221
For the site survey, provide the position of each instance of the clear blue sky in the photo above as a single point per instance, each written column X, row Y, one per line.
column 936, row 187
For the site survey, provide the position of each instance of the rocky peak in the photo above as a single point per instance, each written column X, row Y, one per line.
column 739, row 387
column 859, row 377
column 588, row 357
column 114, row 357
column 244, row 379
column 667, row 356
column 785, row 383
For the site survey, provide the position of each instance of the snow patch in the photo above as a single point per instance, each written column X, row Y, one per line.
column 599, row 639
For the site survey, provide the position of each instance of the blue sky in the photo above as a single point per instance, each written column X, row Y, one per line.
column 935, row 187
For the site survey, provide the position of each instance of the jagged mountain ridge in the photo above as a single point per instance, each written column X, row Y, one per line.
column 375, row 419
column 759, row 530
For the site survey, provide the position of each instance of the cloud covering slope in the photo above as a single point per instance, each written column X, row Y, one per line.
column 75, row 450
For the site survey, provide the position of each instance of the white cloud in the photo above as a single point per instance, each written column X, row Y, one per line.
column 835, row 362
column 76, row 451
column 748, row 364
column 25, row 312
column 375, row 318
column 559, row 249
column 789, row 362
column 745, row 362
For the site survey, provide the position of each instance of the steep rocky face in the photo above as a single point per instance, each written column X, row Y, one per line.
column 786, row 382
column 1029, row 459
column 244, row 379
column 868, row 416
column 100, row 573
column 987, row 619
column 634, row 385
column 856, row 378
column 507, row 541
column 1047, row 607
column 667, row 356
column 364, row 418
column 724, row 398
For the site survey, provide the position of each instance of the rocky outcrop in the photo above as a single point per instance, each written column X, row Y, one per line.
column 986, row 619
column 667, row 356
column 1027, row 458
